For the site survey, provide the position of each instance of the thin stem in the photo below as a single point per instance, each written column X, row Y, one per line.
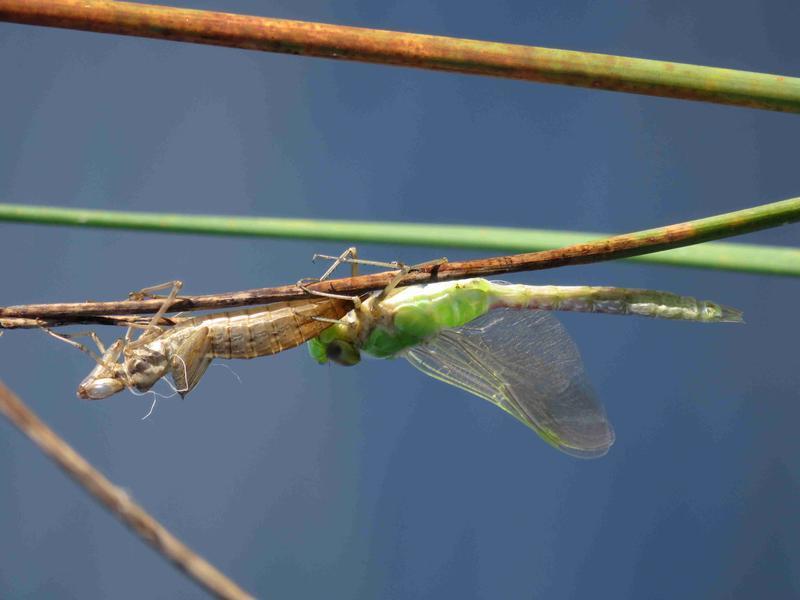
column 512, row 61
column 632, row 244
column 116, row 500
column 749, row 258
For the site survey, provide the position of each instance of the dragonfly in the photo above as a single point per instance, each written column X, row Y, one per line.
column 499, row 342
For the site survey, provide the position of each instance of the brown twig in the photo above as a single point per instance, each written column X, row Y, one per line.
column 116, row 500
column 621, row 246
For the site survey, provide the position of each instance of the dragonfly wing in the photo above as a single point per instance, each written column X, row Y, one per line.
column 525, row 363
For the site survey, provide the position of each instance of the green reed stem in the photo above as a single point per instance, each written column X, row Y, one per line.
column 511, row 61
column 748, row 258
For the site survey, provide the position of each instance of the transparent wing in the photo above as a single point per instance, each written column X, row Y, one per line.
column 525, row 363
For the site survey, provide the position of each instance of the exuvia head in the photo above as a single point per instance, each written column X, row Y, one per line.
column 107, row 378
column 144, row 368
column 101, row 383
column 139, row 370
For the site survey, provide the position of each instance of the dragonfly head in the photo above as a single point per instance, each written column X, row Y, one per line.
column 343, row 353
column 332, row 344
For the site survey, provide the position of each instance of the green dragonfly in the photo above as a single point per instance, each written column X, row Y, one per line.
column 498, row 341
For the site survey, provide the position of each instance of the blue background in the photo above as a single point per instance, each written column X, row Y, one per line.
column 377, row 482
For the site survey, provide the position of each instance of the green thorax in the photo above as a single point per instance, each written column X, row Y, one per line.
column 414, row 314
column 407, row 317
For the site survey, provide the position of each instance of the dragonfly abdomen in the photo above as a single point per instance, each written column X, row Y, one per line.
column 610, row 300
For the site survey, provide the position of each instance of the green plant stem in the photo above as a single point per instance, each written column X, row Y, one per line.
column 621, row 246
column 748, row 258
column 544, row 65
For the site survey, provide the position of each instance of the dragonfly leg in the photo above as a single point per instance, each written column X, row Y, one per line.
column 404, row 271
column 351, row 256
column 305, row 282
column 348, row 256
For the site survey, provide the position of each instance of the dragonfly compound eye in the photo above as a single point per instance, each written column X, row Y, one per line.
column 343, row 353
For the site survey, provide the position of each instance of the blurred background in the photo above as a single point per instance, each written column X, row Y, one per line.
column 310, row 481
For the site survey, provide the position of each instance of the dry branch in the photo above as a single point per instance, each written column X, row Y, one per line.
column 116, row 500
